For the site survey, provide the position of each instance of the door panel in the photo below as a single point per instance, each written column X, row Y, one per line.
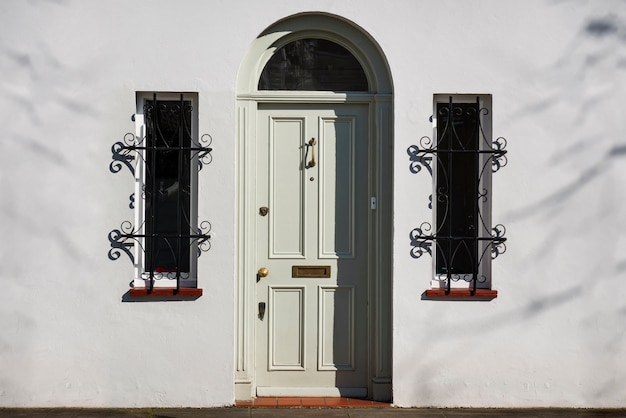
column 286, row 330
column 336, row 331
column 285, row 189
column 314, row 242
column 337, row 143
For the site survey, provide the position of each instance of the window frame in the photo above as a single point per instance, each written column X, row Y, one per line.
column 144, row 279
column 483, row 220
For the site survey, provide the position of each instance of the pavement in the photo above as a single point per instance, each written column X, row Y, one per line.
column 264, row 412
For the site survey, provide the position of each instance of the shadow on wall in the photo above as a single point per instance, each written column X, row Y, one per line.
column 566, row 192
column 593, row 64
column 601, row 27
column 592, row 52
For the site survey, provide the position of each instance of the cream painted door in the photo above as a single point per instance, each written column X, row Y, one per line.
column 313, row 240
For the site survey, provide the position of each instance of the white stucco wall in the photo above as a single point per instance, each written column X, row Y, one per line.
column 70, row 72
column 554, row 336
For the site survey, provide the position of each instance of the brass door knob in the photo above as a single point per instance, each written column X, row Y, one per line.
column 263, row 272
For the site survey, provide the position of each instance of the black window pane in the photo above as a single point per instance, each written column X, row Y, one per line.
column 167, row 189
column 313, row 64
column 457, row 187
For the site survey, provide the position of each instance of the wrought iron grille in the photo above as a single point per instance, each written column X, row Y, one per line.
column 462, row 159
column 167, row 155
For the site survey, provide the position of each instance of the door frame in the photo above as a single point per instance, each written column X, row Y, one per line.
column 379, row 102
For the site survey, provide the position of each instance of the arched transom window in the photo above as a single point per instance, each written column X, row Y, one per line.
column 313, row 64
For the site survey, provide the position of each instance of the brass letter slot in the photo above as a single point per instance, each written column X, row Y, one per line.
column 310, row 271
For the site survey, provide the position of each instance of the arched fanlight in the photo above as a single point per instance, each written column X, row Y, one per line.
column 313, row 65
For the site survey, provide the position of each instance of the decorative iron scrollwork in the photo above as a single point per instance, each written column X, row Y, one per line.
column 164, row 253
column 421, row 240
column 203, row 236
column 123, row 154
column 498, row 160
column 461, row 239
column 123, row 240
column 127, row 151
column 204, row 151
column 498, row 245
column 419, row 157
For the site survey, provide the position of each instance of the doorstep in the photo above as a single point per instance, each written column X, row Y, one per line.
column 317, row 402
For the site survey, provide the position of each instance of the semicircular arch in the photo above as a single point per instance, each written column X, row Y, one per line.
column 315, row 25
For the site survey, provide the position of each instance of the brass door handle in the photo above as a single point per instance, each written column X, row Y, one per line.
column 312, row 143
column 263, row 272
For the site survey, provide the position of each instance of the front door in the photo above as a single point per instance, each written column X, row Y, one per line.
column 312, row 250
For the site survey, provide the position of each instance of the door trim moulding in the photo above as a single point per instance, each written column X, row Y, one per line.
column 380, row 104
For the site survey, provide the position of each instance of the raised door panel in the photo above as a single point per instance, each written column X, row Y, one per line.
column 337, row 149
column 286, row 188
column 286, row 328
column 336, row 328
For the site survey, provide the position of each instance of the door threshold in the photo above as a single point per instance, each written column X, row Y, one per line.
column 311, row 402
column 328, row 392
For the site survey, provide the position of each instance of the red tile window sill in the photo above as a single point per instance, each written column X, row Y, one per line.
column 165, row 291
column 479, row 294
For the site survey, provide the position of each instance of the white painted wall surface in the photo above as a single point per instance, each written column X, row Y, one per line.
column 555, row 336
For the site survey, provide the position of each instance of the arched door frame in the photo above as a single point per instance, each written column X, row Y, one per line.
column 379, row 100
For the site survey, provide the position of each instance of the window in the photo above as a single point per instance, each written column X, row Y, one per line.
column 458, row 206
column 463, row 157
column 166, row 178
column 164, row 155
column 313, row 64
